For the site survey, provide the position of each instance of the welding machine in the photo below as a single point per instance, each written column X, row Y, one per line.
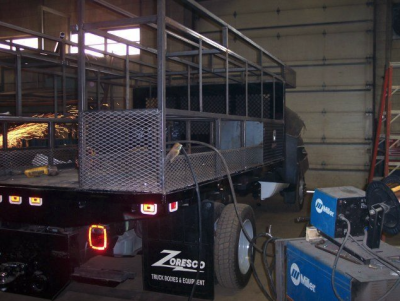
column 328, row 203
column 309, row 270
column 360, row 274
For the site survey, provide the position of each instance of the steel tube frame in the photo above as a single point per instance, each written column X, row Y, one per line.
column 18, row 85
column 121, row 22
column 161, row 81
column 237, row 33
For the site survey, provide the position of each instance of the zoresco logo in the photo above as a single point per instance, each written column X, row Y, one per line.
column 295, row 274
column 179, row 264
column 319, row 207
column 297, row 278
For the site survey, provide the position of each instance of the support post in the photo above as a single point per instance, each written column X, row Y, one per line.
column 5, row 132
column 98, row 91
column 201, row 75
column 161, row 67
column 127, row 80
column 82, row 105
column 81, row 78
column 51, row 132
column 247, row 88
column 18, row 85
column 55, row 96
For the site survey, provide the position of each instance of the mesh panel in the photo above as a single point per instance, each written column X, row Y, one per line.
column 21, row 159
column 121, row 150
column 237, row 105
column 267, row 106
column 254, row 105
column 208, row 166
column 176, row 130
column 214, row 104
column 273, row 149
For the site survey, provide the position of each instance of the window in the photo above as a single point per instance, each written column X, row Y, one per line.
column 92, row 41
column 28, row 42
column 110, row 46
column 131, row 34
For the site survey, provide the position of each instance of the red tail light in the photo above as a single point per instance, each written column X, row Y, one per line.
column 173, row 206
column 98, row 237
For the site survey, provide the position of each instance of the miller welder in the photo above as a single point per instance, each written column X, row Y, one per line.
column 368, row 268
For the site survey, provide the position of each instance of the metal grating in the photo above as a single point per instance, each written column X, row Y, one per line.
column 176, row 130
column 214, row 104
column 208, row 166
column 237, row 105
column 17, row 160
column 268, row 106
column 273, row 145
column 254, row 104
column 121, row 150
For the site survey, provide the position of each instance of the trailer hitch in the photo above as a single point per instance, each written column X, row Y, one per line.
column 10, row 271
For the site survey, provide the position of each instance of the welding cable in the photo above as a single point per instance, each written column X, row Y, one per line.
column 252, row 259
column 230, row 185
column 379, row 258
column 199, row 220
column 267, row 268
column 253, row 244
column 341, row 216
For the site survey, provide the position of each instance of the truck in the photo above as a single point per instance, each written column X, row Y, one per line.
column 140, row 154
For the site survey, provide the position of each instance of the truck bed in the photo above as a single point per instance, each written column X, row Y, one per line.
column 66, row 178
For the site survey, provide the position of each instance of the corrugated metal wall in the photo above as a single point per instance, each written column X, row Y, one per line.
column 330, row 45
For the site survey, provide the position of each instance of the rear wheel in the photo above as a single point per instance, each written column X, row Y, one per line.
column 300, row 192
column 231, row 254
column 295, row 194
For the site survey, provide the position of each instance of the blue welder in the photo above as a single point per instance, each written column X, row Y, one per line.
column 328, row 203
column 359, row 274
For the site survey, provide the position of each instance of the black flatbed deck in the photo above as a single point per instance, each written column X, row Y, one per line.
column 66, row 178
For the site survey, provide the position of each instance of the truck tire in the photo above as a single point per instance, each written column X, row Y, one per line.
column 295, row 194
column 300, row 192
column 231, row 248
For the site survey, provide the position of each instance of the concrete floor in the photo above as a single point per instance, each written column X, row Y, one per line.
column 270, row 212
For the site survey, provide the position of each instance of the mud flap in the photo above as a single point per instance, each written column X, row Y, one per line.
column 171, row 253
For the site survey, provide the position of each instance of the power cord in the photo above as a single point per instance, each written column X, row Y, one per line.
column 253, row 243
column 199, row 220
column 230, row 184
column 255, row 273
column 341, row 216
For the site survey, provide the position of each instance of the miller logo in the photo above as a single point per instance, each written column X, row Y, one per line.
column 319, row 207
column 297, row 278
column 295, row 274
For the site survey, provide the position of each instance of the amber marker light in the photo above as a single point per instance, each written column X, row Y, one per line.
column 15, row 200
column 34, row 201
column 149, row 209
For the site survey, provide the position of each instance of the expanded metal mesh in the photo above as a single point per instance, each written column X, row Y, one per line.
column 268, row 106
column 237, row 105
column 254, row 105
column 214, row 104
column 121, row 150
column 273, row 148
column 208, row 166
column 17, row 160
